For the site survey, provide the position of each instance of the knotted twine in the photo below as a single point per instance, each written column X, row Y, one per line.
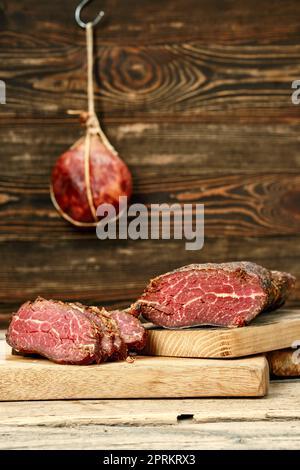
column 93, row 128
column 92, row 123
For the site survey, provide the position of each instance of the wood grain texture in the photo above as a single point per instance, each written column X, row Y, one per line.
column 270, row 422
column 145, row 377
column 277, row 435
column 267, row 332
column 280, row 404
column 233, row 22
column 198, row 105
column 235, row 63
column 239, row 200
column 115, row 274
column 243, row 435
column 189, row 80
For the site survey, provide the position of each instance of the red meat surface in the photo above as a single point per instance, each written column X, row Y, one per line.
column 55, row 330
column 109, row 178
column 131, row 330
column 72, row 333
column 228, row 294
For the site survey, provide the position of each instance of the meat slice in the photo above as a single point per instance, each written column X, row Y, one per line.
column 227, row 294
column 131, row 330
column 113, row 344
column 72, row 333
column 57, row 331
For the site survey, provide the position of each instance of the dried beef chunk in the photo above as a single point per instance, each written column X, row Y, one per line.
column 131, row 330
column 55, row 330
column 227, row 294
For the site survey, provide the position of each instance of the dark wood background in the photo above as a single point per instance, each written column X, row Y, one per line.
column 195, row 95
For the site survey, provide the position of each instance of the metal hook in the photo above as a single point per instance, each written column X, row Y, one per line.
column 78, row 13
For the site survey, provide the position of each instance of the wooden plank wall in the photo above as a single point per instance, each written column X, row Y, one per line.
column 195, row 95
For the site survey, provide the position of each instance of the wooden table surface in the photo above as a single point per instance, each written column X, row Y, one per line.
column 272, row 422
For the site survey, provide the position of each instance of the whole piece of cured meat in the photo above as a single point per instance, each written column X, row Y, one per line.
column 227, row 294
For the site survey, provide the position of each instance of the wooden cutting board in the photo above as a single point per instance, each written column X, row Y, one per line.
column 269, row 331
column 27, row 378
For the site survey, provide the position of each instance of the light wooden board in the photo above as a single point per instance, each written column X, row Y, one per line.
column 285, row 362
column 211, row 423
column 281, row 403
column 241, row 435
column 25, row 378
column 268, row 332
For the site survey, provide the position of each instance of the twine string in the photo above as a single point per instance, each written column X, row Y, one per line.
column 92, row 122
column 90, row 66
column 93, row 128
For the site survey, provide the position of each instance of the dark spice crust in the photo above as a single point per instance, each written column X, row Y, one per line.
column 120, row 352
column 281, row 284
column 106, row 326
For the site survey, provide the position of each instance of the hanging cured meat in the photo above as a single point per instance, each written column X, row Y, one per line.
column 90, row 173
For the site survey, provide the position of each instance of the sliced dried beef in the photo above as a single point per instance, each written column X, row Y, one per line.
column 72, row 333
column 112, row 342
column 57, row 331
column 131, row 330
